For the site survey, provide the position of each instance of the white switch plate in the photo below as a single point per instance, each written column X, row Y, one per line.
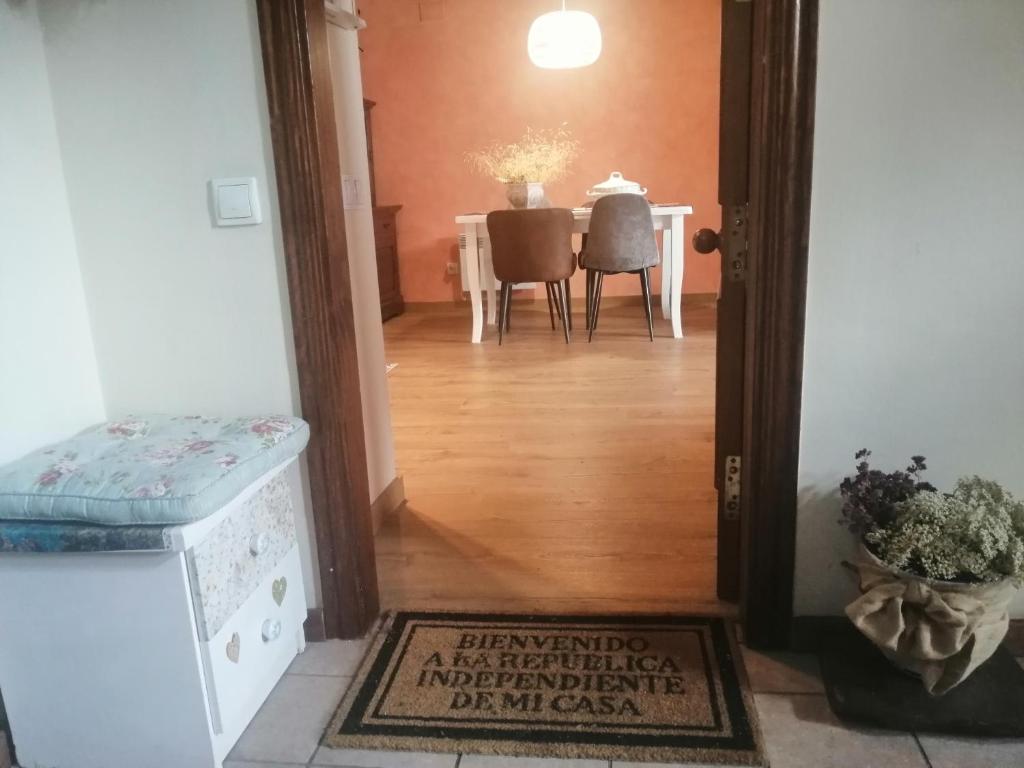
column 235, row 201
column 351, row 192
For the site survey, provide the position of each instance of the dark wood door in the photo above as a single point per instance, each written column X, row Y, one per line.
column 731, row 241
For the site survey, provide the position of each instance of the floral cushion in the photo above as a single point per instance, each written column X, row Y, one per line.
column 146, row 470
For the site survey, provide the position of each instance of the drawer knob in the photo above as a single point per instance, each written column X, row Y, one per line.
column 258, row 544
column 271, row 630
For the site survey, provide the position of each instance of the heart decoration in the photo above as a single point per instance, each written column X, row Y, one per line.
column 234, row 647
column 278, row 588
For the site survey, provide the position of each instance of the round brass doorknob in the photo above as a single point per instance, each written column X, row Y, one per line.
column 706, row 241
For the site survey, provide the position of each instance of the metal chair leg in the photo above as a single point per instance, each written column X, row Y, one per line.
column 551, row 309
column 590, row 295
column 503, row 310
column 598, row 285
column 568, row 301
column 508, row 309
column 645, row 284
column 563, row 306
column 500, row 314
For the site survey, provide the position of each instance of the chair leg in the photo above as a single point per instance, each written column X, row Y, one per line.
column 500, row 315
column 502, row 310
column 563, row 306
column 556, row 300
column 590, row 295
column 568, row 302
column 551, row 309
column 596, row 312
column 645, row 284
column 508, row 309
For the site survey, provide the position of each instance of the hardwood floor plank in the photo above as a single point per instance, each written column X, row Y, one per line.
column 553, row 478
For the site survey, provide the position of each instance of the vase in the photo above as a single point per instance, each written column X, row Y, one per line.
column 938, row 630
column 526, row 195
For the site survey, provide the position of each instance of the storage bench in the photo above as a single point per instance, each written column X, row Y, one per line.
column 151, row 593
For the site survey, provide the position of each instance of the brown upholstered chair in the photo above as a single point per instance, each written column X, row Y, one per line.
column 621, row 239
column 533, row 246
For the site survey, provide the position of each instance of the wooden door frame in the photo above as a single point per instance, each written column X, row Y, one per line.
column 296, row 64
column 785, row 45
column 297, row 68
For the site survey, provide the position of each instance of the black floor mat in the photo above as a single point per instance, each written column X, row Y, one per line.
column 864, row 688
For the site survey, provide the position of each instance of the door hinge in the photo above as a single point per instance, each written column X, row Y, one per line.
column 736, row 243
column 731, row 488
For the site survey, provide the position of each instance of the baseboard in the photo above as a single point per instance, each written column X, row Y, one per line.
column 806, row 633
column 700, row 298
column 313, row 627
column 390, row 499
column 433, row 307
column 689, row 300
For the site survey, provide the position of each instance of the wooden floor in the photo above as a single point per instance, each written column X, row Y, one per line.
column 546, row 477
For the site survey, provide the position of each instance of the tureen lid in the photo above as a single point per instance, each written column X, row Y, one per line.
column 615, row 183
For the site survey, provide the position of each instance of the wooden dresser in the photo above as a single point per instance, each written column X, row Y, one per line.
column 385, row 236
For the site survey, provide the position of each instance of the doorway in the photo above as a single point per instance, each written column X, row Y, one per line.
column 780, row 98
column 540, row 475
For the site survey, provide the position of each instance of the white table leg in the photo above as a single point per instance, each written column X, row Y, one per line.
column 487, row 275
column 677, row 276
column 473, row 282
column 666, row 272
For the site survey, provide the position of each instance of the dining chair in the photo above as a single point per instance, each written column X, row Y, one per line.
column 533, row 245
column 621, row 239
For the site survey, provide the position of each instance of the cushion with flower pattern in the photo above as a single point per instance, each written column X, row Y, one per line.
column 141, row 470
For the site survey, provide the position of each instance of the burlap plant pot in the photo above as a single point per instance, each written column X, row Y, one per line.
column 940, row 630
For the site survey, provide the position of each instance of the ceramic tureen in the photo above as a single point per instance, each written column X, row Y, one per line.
column 614, row 185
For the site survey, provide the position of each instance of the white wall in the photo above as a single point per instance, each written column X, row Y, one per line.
column 916, row 275
column 348, row 110
column 152, row 100
column 49, row 384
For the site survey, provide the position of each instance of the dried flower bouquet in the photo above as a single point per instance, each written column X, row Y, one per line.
column 539, row 156
column 937, row 571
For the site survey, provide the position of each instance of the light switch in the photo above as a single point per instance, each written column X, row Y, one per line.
column 235, row 202
column 351, row 192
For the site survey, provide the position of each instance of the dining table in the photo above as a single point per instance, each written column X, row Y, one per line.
column 669, row 219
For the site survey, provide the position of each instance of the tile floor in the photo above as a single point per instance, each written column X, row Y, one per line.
column 799, row 729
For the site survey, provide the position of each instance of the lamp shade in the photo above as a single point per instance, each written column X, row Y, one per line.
column 564, row 40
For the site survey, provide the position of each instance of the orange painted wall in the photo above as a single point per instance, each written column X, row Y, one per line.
column 445, row 86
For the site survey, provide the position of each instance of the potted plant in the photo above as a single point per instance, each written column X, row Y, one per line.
column 937, row 571
column 524, row 167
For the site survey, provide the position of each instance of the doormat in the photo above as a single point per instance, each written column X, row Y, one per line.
column 643, row 688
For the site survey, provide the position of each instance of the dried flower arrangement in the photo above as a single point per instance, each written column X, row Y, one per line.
column 539, row 156
column 870, row 497
column 974, row 534
column 937, row 571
